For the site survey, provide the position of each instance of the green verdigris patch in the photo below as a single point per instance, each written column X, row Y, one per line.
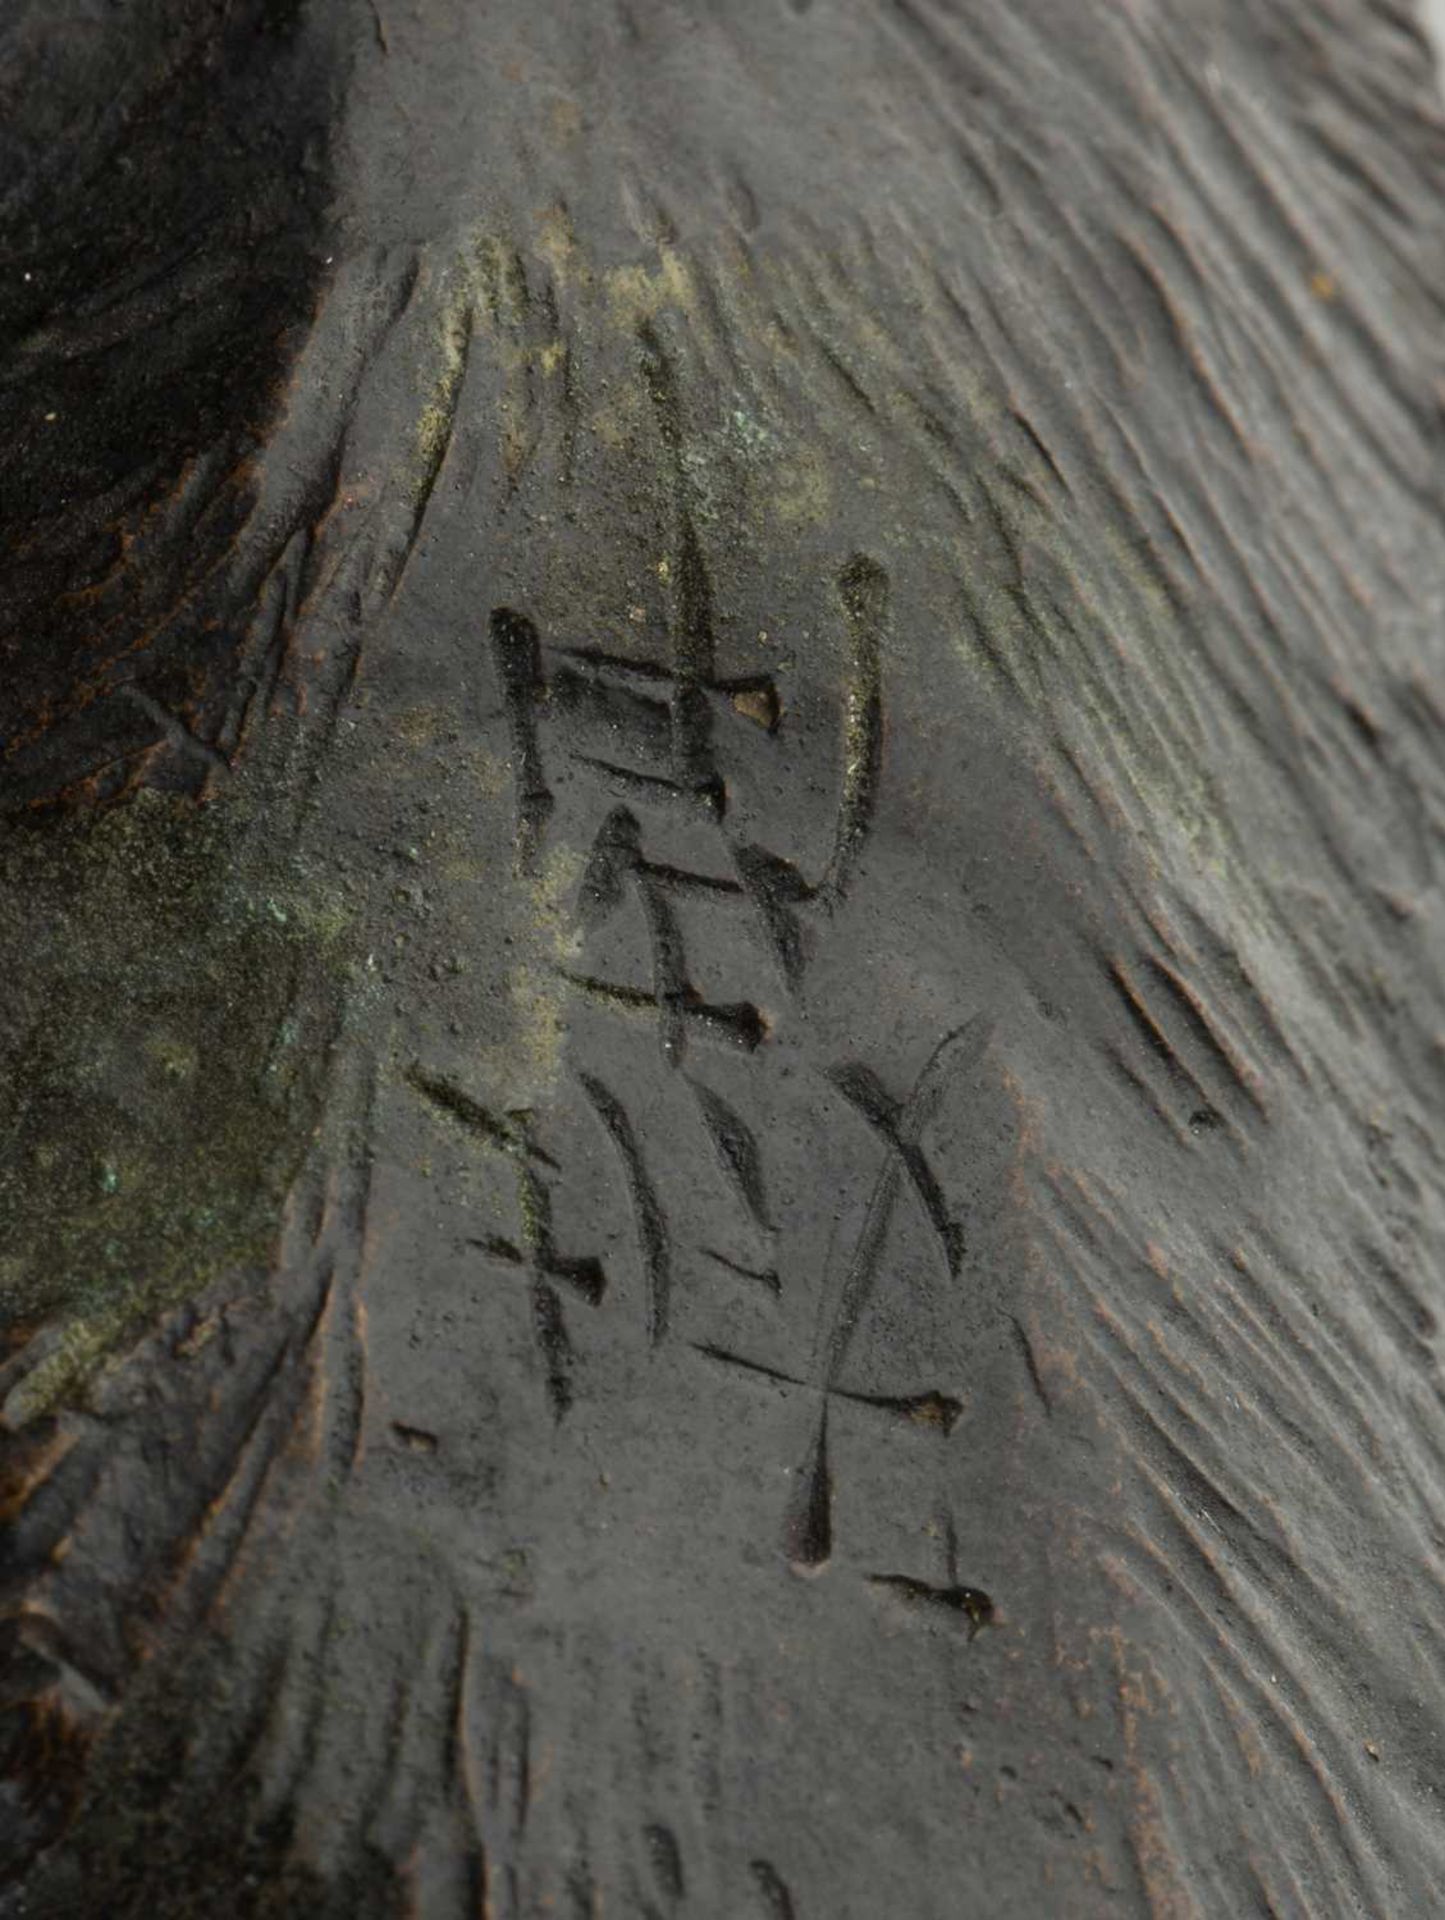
column 173, row 996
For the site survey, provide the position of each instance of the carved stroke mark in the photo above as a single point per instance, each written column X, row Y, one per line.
column 736, row 1023
column 936, row 1410
column 616, row 862
column 617, row 857
column 777, row 1902
column 650, row 1223
column 957, row 1050
column 866, row 1093
column 864, row 590
column 810, row 1527
column 634, row 701
column 737, row 1151
column 538, row 1258
column 778, row 889
column 693, row 646
column 543, row 1264
column 666, row 710
column 971, row 1604
column 504, row 1135
column 517, row 654
column 767, row 1277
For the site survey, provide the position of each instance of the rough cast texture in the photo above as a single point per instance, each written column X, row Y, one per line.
column 722, row 1048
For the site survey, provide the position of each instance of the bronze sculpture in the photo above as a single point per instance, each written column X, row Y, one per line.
column 723, row 1043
